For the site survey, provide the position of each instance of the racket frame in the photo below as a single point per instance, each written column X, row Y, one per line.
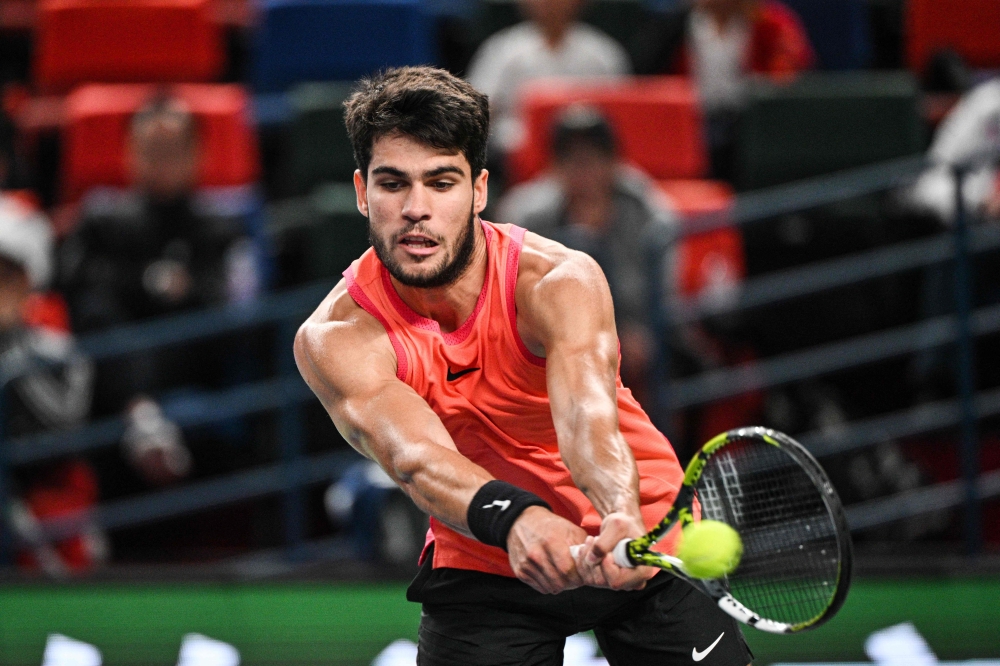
column 636, row 552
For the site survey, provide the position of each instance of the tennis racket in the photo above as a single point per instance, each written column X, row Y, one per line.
column 796, row 566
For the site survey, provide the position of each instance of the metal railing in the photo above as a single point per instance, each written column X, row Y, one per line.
column 284, row 393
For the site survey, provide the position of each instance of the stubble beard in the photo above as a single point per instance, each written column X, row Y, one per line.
column 449, row 272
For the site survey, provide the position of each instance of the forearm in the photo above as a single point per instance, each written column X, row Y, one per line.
column 399, row 432
column 441, row 482
column 600, row 461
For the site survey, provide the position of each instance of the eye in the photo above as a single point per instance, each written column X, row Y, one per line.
column 391, row 185
column 443, row 185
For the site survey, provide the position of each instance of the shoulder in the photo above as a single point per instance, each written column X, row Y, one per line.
column 547, row 268
column 780, row 18
column 495, row 52
column 514, row 36
column 532, row 204
column 598, row 43
column 341, row 340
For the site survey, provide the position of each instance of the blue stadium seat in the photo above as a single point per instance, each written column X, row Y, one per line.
column 322, row 40
column 840, row 31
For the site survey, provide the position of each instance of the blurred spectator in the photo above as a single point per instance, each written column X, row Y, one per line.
column 592, row 202
column 721, row 44
column 552, row 42
column 967, row 134
column 46, row 386
column 148, row 251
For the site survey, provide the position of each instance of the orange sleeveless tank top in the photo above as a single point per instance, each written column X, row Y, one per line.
column 489, row 391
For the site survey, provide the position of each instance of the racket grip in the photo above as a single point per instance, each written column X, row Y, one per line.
column 621, row 554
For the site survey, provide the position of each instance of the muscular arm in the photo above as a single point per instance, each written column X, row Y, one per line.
column 565, row 311
column 569, row 313
column 345, row 356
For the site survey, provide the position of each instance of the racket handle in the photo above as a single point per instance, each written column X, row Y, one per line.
column 621, row 554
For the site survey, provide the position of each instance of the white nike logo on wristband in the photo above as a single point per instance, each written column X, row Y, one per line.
column 698, row 656
column 503, row 504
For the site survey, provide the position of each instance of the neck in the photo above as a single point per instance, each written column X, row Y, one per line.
column 554, row 34
column 453, row 303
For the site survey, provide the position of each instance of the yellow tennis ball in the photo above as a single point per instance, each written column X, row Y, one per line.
column 709, row 549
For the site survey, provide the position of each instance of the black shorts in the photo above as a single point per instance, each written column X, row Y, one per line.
column 474, row 618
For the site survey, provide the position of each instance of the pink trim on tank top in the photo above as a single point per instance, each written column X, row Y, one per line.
column 459, row 335
column 513, row 260
column 361, row 298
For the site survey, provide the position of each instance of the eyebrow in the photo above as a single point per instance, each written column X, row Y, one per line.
column 433, row 173
column 440, row 171
column 392, row 171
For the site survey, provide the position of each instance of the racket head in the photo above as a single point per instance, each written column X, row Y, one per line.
column 797, row 559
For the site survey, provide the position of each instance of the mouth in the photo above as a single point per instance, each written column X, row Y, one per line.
column 418, row 245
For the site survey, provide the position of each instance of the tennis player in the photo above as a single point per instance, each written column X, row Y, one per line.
column 478, row 365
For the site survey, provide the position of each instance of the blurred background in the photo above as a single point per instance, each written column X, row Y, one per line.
column 796, row 204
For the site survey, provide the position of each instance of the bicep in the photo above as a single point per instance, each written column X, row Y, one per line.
column 354, row 377
column 572, row 316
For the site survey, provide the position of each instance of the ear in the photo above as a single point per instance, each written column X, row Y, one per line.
column 480, row 191
column 361, row 189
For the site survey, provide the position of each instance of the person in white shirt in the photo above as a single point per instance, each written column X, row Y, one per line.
column 970, row 131
column 551, row 43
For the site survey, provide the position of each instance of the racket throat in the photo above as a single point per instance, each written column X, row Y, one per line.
column 741, row 613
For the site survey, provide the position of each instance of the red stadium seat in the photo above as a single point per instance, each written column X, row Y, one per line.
column 127, row 41
column 657, row 122
column 698, row 197
column 97, row 120
column 712, row 260
column 970, row 27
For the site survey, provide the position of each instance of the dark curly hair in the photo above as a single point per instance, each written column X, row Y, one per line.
column 428, row 104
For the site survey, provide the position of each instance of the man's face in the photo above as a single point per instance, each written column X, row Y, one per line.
column 586, row 171
column 421, row 203
column 163, row 158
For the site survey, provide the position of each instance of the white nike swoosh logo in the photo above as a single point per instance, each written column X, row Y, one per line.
column 503, row 504
column 698, row 656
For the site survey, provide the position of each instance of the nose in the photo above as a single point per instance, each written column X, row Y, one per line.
column 417, row 205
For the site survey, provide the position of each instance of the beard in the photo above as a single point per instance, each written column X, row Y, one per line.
column 449, row 271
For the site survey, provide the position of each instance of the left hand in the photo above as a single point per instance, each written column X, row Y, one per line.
column 596, row 563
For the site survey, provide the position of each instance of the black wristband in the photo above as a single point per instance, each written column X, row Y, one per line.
column 494, row 509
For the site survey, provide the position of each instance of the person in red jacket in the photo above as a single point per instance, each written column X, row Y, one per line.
column 722, row 45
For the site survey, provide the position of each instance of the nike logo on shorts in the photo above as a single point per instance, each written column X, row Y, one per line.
column 698, row 656
column 452, row 376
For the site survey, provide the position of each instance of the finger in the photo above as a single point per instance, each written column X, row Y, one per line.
column 535, row 579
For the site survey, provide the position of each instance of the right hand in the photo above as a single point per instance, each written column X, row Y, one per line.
column 538, row 546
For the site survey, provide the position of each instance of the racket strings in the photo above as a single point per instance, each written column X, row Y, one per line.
column 790, row 564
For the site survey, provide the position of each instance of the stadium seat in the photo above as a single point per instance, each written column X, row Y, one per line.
column 691, row 198
column 127, row 41
column 329, row 40
column 657, row 122
column 825, row 123
column 714, row 259
column 839, row 30
column 970, row 27
column 319, row 150
column 97, row 118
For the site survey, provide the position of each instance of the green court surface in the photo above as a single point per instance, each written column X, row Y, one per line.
column 348, row 624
